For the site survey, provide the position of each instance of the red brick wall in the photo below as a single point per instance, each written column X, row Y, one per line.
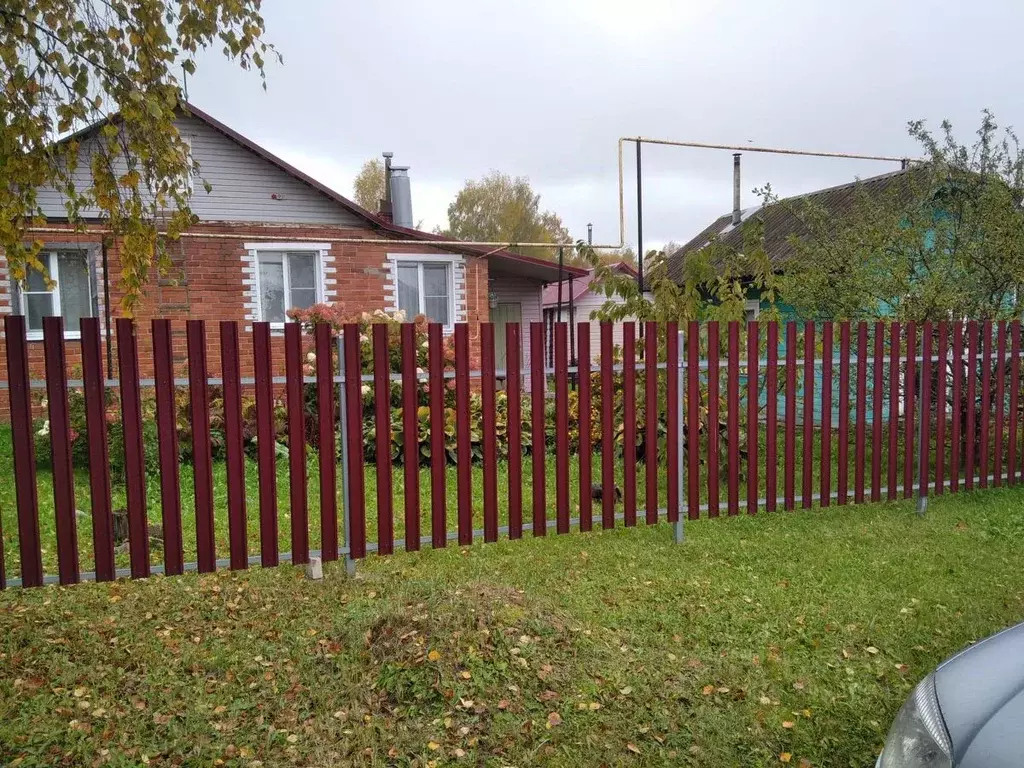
column 211, row 259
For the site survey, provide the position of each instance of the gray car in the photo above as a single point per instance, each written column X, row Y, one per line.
column 968, row 713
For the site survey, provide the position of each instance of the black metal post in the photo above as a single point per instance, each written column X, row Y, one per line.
column 640, row 232
column 639, row 219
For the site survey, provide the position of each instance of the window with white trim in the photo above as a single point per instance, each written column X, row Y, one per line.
column 751, row 309
column 287, row 280
column 69, row 292
column 426, row 288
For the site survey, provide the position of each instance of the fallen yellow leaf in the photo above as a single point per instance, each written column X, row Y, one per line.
column 787, row 723
column 785, row 757
column 434, row 655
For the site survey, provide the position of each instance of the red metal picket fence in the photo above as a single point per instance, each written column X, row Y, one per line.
column 942, row 411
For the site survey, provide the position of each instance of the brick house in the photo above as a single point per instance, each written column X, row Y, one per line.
column 269, row 238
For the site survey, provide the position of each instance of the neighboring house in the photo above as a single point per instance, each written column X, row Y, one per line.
column 269, row 238
column 580, row 299
column 781, row 224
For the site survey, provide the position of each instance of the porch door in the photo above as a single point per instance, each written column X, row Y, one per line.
column 501, row 315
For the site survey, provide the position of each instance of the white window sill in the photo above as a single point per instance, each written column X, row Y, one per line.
column 38, row 336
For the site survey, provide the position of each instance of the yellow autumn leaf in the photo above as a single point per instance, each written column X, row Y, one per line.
column 787, row 723
column 434, row 655
column 785, row 757
column 433, row 746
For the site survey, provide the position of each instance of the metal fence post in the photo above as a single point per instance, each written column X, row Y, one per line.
column 346, row 500
column 679, row 534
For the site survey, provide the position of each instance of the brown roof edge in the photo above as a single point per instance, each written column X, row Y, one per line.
column 372, row 218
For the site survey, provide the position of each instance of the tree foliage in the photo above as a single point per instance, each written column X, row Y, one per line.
column 499, row 208
column 368, row 186
column 67, row 64
column 714, row 283
column 946, row 241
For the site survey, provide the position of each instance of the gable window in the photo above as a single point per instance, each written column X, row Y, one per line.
column 286, row 280
column 426, row 288
column 69, row 293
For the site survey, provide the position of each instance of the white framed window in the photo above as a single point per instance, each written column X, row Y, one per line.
column 751, row 309
column 287, row 279
column 69, row 293
column 425, row 285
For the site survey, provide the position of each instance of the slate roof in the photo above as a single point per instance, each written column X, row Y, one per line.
column 781, row 221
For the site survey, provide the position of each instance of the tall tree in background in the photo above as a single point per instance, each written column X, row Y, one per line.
column 66, row 64
column 368, row 186
column 499, row 208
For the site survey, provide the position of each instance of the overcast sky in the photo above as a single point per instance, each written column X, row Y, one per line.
column 544, row 88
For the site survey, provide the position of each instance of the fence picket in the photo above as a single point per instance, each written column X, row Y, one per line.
column 537, row 436
column 629, row 422
column 789, row 463
column 234, row 447
column 771, row 448
column 861, row 399
column 23, row 444
column 843, row 470
column 651, row 414
column 266, row 448
column 925, row 409
column 513, row 382
column 356, row 537
column 608, row 485
column 99, row 456
column 586, row 500
column 410, row 438
column 438, row 455
column 940, row 408
column 877, row 412
column 490, row 457
column 299, row 512
column 986, row 402
column 1011, row 447
column 909, row 404
column 672, row 416
column 970, row 427
column 60, row 450
column 733, row 417
column 463, row 450
column 326, row 449
column 134, row 459
column 692, row 418
column 561, row 428
column 382, row 439
column 894, row 406
column 825, row 472
column 1000, row 404
column 956, row 415
column 167, row 429
column 714, row 350
column 753, row 429
column 808, row 430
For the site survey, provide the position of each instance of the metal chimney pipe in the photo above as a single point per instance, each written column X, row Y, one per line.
column 736, row 189
column 385, row 204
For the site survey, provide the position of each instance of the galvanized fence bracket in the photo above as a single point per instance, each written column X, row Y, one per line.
column 346, row 488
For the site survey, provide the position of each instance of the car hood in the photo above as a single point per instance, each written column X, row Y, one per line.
column 981, row 695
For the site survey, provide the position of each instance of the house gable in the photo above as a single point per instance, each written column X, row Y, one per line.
column 246, row 187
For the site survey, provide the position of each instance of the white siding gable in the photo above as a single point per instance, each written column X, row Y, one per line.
column 245, row 187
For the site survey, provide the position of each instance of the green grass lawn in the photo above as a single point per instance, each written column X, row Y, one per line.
column 785, row 635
